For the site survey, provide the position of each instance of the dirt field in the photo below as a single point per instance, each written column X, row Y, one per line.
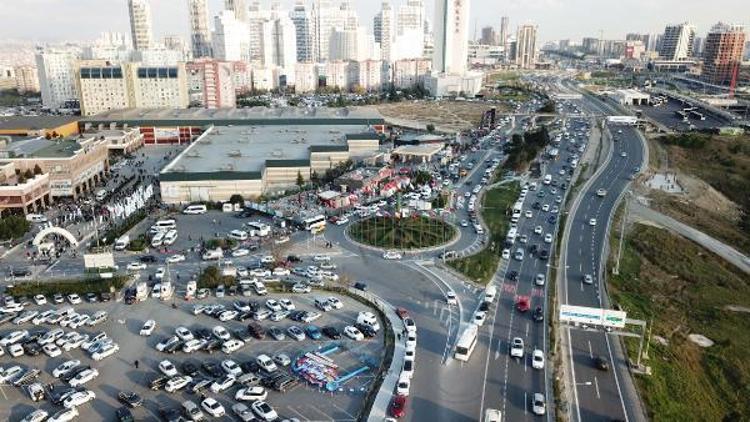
column 447, row 116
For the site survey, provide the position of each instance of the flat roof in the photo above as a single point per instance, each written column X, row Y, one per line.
column 35, row 122
column 40, row 147
column 419, row 150
column 253, row 148
column 240, row 116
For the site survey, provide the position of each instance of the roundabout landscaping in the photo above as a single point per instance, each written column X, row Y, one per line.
column 410, row 233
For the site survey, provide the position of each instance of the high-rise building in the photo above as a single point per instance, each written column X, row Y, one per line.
column 200, row 33
column 157, row 87
column 304, row 27
column 239, row 7
column 451, row 36
column 504, row 31
column 231, row 41
column 102, row 87
column 408, row 73
column 410, row 33
column 56, row 77
column 383, row 29
column 211, row 83
column 140, row 24
column 722, row 55
column 489, row 36
column 677, row 43
column 26, row 78
column 698, row 44
column 590, row 45
column 526, row 46
column 284, row 44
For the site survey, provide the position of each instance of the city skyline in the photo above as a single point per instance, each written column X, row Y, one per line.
column 171, row 17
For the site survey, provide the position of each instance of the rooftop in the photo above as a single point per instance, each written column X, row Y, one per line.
column 241, row 116
column 34, row 122
column 253, row 148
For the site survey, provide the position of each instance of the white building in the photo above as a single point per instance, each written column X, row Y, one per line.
column 56, row 77
column 159, row 56
column 305, row 77
column 284, row 42
column 411, row 28
column 384, row 28
column 526, row 47
column 102, row 87
column 211, row 83
column 231, row 38
column 140, row 23
column 304, row 27
column 200, row 34
column 410, row 72
column 335, row 74
column 366, row 74
column 239, row 7
column 326, row 18
column 677, row 43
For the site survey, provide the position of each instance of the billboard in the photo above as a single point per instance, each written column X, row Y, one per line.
column 98, row 260
column 592, row 316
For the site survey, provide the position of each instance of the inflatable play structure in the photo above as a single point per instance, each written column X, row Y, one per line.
column 319, row 370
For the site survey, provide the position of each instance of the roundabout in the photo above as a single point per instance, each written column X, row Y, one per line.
column 409, row 234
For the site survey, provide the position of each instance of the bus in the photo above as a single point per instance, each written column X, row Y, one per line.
column 315, row 223
column 697, row 114
column 258, row 228
column 467, row 342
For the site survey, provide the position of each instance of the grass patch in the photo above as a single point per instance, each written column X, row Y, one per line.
column 115, row 232
column 496, row 205
column 402, row 233
column 66, row 287
column 685, row 289
column 211, row 278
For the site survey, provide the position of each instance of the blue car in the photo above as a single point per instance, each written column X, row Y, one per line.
column 313, row 332
column 552, row 219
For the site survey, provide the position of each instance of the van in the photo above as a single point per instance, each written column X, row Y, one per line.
column 165, row 225
column 489, row 293
column 227, row 207
column 547, row 179
column 195, row 209
column 122, row 242
column 369, row 319
column 213, row 254
column 101, row 194
column 238, row 235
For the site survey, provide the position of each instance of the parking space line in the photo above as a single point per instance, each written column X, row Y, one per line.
column 343, row 410
column 2, row 390
column 303, row 417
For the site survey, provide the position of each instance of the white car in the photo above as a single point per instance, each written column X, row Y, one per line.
column 40, row 300
column 13, row 337
column 228, row 315
column 537, row 404
column 280, row 271
column 148, row 328
column 403, row 386
column 243, row 412
column 450, row 297
column 537, row 359
column 51, row 350
column 264, row 411
column 240, row 252
column 167, row 368
column 528, row 214
column 391, row 255
column 411, row 341
column 184, row 334
column 231, row 367
column 38, row 415
column 193, row 345
column 213, row 407
column 175, row 259
column 10, row 374
column 538, row 230
column 516, row 348
column 64, row 415
column 15, row 350
column 353, row 333
column 221, row 333
column 251, row 394
column 84, row 377
column 136, row 266
column 159, row 274
column 506, row 253
column 479, row 318
column 548, row 238
column 266, row 363
column 545, row 207
column 177, row 383
column 592, row 222
column 65, row 367
column 79, row 398
column 222, row 384
column 287, row 304
column 539, row 279
column 166, row 343
column 335, row 302
column 321, row 258
column 273, row 305
column 74, row 299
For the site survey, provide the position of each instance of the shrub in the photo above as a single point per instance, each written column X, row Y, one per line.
column 65, row 287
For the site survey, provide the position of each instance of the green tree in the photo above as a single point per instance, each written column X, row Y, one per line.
column 28, row 174
column 13, row 227
column 430, row 128
column 237, row 199
column 37, row 169
column 300, row 180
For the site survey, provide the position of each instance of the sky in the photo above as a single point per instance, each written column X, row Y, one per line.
column 81, row 20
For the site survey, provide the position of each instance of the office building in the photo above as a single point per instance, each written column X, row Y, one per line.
column 231, row 40
column 489, row 36
column 366, row 75
column 504, row 31
column 526, row 46
column 304, row 27
column 211, row 83
column 383, row 28
column 27, row 79
column 200, row 33
column 677, row 42
column 723, row 53
column 239, row 7
column 284, row 49
column 56, row 71
column 140, row 24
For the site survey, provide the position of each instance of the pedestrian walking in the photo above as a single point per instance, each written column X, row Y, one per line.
column 136, row 364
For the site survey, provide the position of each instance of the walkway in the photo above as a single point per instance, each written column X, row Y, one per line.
column 733, row 256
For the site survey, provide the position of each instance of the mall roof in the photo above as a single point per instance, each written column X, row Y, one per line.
column 240, row 116
column 42, row 148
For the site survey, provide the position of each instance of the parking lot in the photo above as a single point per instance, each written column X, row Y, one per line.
column 119, row 373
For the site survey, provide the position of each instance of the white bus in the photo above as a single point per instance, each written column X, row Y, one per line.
column 259, row 229
column 315, row 223
column 467, row 342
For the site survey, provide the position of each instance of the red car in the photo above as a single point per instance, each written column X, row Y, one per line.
column 403, row 313
column 523, row 304
column 398, row 407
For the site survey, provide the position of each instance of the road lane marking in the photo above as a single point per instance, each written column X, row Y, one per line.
column 596, row 387
column 591, row 352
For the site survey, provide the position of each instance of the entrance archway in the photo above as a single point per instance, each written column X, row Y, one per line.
column 54, row 230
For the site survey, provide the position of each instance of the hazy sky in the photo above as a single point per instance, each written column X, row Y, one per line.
column 55, row 20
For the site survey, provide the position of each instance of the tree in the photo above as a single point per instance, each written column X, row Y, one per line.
column 237, row 199
column 314, row 178
column 430, row 128
column 37, row 169
column 13, row 227
column 300, row 180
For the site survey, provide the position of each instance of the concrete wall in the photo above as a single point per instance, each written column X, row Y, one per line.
column 209, row 190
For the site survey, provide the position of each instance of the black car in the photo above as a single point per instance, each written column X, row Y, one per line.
column 513, row 275
column 256, row 330
column 148, row 259
column 242, row 316
column 601, row 363
column 105, row 296
column 242, row 335
column 58, row 393
column 538, row 314
column 484, row 306
column 174, row 347
column 332, row 332
column 293, row 258
column 91, row 297
column 537, row 206
column 72, row 374
column 544, row 254
column 123, row 414
column 232, row 290
column 360, row 286
column 170, row 414
column 130, row 398
column 552, row 219
column 31, row 348
column 297, row 315
column 7, row 317
column 250, row 366
column 212, row 346
column 213, row 369
column 367, row 330
column 533, row 249
column 158, row 382
column 189, row 368
column 203, row 333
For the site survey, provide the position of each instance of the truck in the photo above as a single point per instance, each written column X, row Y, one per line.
column 166, row 290
column 190, row 290
column 141, row 291
column 213, row 254
column 122, row 242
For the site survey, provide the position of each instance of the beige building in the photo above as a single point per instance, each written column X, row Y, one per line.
column 211, row 83
column 409, row 72
column 21, row 194
column 366, row 74
column 27, row 79
column 305, row 77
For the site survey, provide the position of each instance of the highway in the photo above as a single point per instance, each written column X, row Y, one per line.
column 599, row 395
